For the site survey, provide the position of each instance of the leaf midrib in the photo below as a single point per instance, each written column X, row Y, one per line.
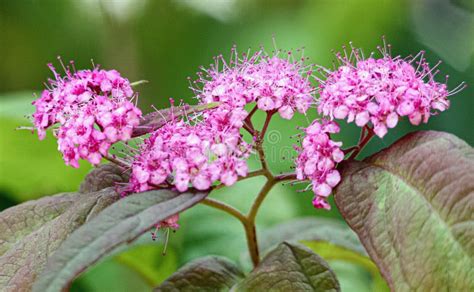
column 299, row 263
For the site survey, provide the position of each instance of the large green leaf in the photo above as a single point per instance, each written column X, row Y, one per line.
column 291, row 267
column 21, row 220
column 31, row 232
column 335, row 242
column 210, row 273
column 348, row 265
column 412, row 206
column 121, row 223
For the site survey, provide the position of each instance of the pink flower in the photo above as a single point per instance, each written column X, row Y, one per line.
column 170, row 222
column 93, row 110
column 231, row 83
column 317, row 160
column 274, row 83
column 197, row 153
column 283, row 85
column 382, row 90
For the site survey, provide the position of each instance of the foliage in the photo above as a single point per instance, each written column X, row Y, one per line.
column 411, row 206
column 33, row 231
column 121, row 223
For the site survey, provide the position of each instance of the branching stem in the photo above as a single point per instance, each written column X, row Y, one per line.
column 259, row 140
column 248, row 220
column 366, row 134
column 117, row 161
column 226, row 208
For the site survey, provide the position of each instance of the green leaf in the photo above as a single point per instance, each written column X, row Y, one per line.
column 21, row 220
column 121, row 223
column 211, row 273
column 311, row 229
column 291, row 267
column 32, row 231
column 334, row 253
column 330, row 239
column 103, row 176
column 412, row 207
column 157, row 119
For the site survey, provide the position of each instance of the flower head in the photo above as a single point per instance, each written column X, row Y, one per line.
column 181, row 154
column 229, row 83
column 283, row 85
column 93, row 110
column 317, row 160
column 382, row 90
column 274, row 83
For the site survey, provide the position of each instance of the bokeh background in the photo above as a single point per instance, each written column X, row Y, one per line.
column 164, row 42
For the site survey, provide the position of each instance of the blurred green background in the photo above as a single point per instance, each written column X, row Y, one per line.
column 165, row 41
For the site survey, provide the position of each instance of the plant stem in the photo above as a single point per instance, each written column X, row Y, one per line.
column 252, row 215
column 285, row 176
column 117, row 161
column 268, row 118
column 249, row 226
column 362, row 134
column 350, row 149
column 261, row 155
column 259, row 141
column 249, row 117
column 259, row 199
column 248, row 221
column 248, row 121
column 249, row 128
column 226, row 208
column 362, row 142
column 251, row 235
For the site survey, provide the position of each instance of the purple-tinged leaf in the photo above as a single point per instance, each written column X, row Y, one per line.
column 412, row 206
column 209, row 273
column 290, row 267
column 118, row 224
column 104, row 176
column 31, row 232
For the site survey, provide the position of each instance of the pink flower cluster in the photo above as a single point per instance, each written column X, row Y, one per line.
column 283, row 87
column 181, row 154
column 317, row 160
column 381, row 91
column 93, row 110
column 276, row 84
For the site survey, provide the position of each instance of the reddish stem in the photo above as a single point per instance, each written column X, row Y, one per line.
column 363, row 142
